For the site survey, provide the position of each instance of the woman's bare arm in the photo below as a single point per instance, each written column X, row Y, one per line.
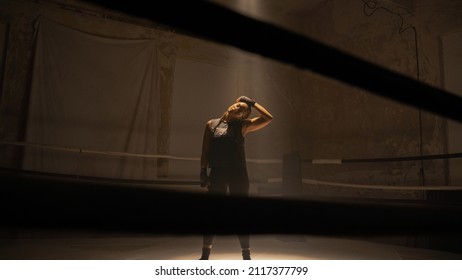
column 205, row 154
column 259, row 122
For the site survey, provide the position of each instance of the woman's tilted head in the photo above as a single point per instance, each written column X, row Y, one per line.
column 238, row 111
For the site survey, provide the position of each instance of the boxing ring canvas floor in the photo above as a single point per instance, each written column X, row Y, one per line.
column 226, row 247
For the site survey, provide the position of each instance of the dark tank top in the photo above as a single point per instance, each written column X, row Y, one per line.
column 227, row 146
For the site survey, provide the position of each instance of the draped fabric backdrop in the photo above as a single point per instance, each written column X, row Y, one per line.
column 95, row 93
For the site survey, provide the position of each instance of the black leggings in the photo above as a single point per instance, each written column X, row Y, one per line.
column 236, row 180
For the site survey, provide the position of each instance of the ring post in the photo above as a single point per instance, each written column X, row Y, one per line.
column 292, row 175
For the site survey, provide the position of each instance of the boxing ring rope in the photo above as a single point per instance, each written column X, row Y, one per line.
column 381, row 160
column 375, row 187
column 258, row 161
column 259, row 37
column 126, row 154
column 89, row 151
column 82, row 151
column 52, row 204
column 391, row 159
column 43, row 203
